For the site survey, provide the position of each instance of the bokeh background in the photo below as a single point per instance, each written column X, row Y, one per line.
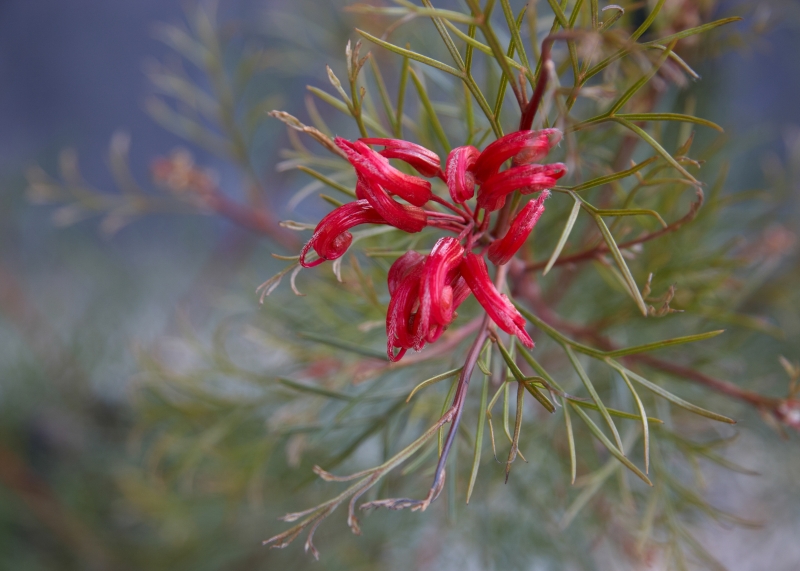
column 76, row 302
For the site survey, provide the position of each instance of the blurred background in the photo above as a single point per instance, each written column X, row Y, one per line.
column 79, row 298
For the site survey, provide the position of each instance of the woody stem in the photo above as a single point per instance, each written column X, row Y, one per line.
column 526, row 121
column 457, row 407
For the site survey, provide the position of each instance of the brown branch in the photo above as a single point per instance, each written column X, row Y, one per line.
column 717, row 385
column 526, row 121
column 602, row 248
column 458, row 407
column 452, row 415
column 529, row 290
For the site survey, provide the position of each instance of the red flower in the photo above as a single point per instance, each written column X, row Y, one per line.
column 460, row 178
column 425, row 161
column 376, row 170
column 502, row 250
column 436, row 291
column 525, row 146
column 426, row 290
column 404, row 284
column 525, row 178
column 401, row 267
column 502, row 312
column 331, row 237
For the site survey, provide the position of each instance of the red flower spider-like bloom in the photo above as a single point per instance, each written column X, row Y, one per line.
column 426, row 290
column 501, row 311
column 424, row 161
column 502, row 250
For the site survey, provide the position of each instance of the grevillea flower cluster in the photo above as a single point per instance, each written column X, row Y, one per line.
column 426, row 290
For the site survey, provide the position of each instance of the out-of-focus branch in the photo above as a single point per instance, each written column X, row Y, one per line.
column 602, row 248
column 258, row 220
column 40, row 337
column 15, row 474
column 179, row 174
column 717, row 385
column 528, row 290
column 43, row 503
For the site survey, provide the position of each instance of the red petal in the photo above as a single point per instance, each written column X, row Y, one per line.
column 461, row 291
column 361, row 188
column 497, row 306
column 502, row 250
column 425, row 161
column 403, row 216
column 331, row 237
column 526, row 146
column 401, row 267
column 460, row 179
column 525, row 178
column 376, row 169
column 539, row 148
column 436, row 296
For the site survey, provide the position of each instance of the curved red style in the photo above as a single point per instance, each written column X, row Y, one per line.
column 375, row 169
column 406, row 217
